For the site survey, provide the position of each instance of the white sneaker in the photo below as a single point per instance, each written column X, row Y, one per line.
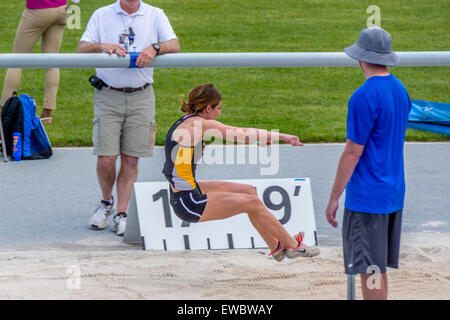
column 100, row 216
column 120, row 223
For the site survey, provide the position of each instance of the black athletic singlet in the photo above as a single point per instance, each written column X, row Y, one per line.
column 179, row 169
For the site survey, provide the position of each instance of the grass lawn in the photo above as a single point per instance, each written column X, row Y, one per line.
column 308, row 102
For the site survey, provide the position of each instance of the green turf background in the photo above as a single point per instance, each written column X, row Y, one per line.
column 308, row 102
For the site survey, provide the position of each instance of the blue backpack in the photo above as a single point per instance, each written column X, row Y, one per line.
column 19, row 118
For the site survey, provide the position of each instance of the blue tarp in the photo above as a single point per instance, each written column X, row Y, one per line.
column 430, row 116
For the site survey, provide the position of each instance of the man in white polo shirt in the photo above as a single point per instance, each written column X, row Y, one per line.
column 124, row 102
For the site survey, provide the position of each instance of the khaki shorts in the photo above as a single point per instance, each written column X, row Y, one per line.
column 124, row 122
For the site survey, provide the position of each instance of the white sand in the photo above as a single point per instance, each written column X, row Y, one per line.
column 121, row 272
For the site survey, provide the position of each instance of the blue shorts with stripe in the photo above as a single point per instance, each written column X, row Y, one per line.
column 188, row 205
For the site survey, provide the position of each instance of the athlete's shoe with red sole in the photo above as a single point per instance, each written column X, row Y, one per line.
column 279, row 253
column 302, row 250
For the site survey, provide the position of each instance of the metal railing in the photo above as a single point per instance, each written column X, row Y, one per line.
column 211, row 60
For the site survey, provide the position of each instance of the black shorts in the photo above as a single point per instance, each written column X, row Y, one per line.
column 371, row 241
column 188, row 205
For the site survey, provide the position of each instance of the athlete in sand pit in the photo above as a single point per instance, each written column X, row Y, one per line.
column 194, row 201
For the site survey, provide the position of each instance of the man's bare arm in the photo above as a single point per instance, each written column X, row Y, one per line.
column 347, row 163
column 171, row 46
column 89, row 47
column 146, row 56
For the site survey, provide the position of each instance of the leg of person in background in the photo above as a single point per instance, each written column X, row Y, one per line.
column 371, row 291
column 51, row 43
column 125, row 180
column 106, row 174
column 27, row 35
column 106, row 135
column 12, row 81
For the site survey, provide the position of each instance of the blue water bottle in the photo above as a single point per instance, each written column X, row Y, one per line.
column 17, row 146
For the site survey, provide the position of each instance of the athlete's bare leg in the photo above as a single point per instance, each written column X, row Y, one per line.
column 224, row 186
column 240, row 198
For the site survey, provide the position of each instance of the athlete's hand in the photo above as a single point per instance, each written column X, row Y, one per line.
column 330, row 212
column 291, row 139
column 111, row 48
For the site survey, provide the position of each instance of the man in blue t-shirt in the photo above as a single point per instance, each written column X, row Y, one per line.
column 371, row 166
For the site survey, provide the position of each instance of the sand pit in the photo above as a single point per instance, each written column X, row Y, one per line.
column 124, row 272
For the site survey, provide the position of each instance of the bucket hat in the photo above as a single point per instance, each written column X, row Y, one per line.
column 374, row 46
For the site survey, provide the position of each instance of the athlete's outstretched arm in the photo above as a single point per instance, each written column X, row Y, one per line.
column 246, row 135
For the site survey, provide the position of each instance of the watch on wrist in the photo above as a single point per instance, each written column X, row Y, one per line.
column 157, row 48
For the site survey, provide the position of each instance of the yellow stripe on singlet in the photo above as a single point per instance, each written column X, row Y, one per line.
column 183, row 165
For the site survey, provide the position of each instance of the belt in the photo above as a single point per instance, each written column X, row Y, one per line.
column 127, row 89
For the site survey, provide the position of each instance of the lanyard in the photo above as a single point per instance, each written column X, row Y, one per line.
column 128, row 32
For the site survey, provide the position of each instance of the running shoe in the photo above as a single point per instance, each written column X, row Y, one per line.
column 279, row 253
column 100, row 216
column 120, row 223
column 302, row 250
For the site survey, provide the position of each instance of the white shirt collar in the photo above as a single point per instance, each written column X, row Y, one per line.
column 119, row 9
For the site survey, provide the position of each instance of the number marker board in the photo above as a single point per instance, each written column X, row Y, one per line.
column 152, row 222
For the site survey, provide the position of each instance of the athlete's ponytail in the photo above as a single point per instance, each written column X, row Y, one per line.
column 200, row 97
column 186, row 107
